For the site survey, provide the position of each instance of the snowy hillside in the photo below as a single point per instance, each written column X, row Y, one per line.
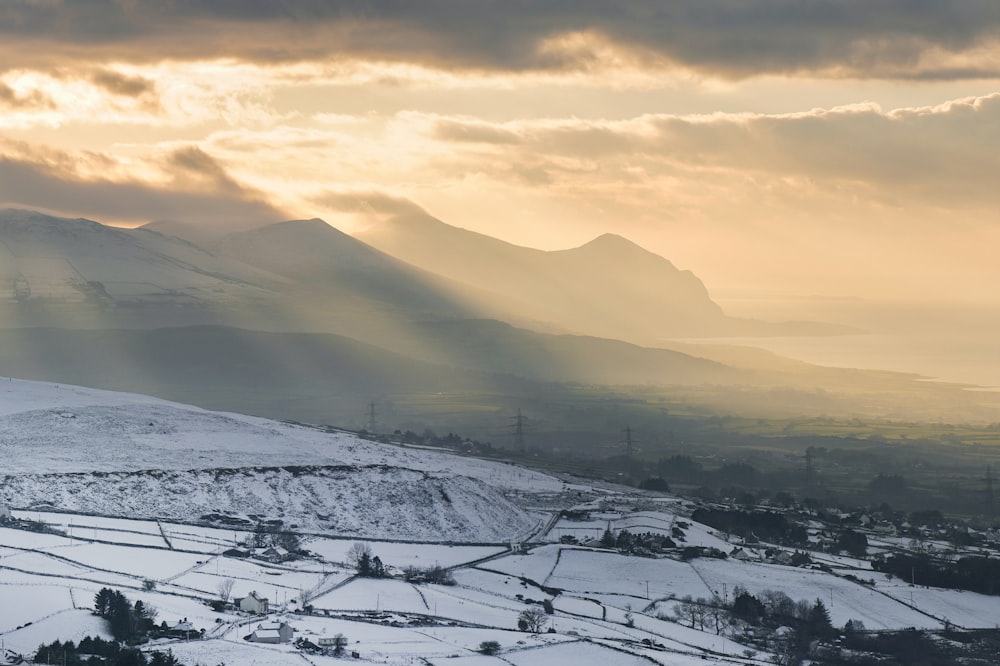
column 379, row 502
column 95, row 451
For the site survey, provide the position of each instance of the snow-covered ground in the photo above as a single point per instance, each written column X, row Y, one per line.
column 48, row 583
column 46, row 428
column 119, row 480
column 100, row 452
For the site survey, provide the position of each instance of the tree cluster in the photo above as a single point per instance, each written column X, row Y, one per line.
column 976, row 574
column 697, row 613
column 646, row 543
column 366, row 564
column 436, row 574
column 127, row 622
column 271, row 534
column 753, row 525
column 93, row 651
column 913, row 646
column 808, row 622
column 854, row 543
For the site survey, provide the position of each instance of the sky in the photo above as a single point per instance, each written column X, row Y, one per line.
column 776, row 148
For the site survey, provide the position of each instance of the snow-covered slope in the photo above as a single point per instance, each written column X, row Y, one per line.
column 376, row 502
column 121, row 454
column 63, row 260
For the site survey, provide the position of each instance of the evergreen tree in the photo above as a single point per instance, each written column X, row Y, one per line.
column 102, row 601
column 818, row 621
column 120, row 617
column 747, row 607
column 365, row 565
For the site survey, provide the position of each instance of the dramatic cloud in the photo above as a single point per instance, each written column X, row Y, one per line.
column 51, row 185
column 771, row 139
column 730, row 38
column 906, row 157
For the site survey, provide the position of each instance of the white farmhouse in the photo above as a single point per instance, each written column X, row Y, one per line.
column 253, row 603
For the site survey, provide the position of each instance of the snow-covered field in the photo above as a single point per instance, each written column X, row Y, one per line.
column 73, row 429
column 118, row 481
column 99, row 452
column 48, row 583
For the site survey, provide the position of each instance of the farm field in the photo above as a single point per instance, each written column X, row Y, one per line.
column 607, row 606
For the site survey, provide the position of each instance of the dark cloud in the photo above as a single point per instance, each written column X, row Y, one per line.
column 11, row 100
column 368, row 201
column 193, row 165
column 464, row 132
column 40, row 185
column 888, row 38
column 121, row 84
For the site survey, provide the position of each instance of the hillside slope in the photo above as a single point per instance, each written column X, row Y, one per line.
column 120, row 454
column 377, row 502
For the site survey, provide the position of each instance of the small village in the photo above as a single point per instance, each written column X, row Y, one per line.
column 712, row 581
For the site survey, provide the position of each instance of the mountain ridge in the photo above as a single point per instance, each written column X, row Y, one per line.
column 609, row 287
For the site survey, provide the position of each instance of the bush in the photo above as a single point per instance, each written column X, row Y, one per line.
column 489, row 647
column 657, row 483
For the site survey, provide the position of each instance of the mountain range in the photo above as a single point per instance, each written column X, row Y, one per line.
column 299, row 320
column 609, row 287
column 416, row 265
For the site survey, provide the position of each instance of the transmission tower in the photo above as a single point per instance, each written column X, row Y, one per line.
column 371, row 417
column 810, row 471
column 629, row 442
column 989, row 492
column 519, row 431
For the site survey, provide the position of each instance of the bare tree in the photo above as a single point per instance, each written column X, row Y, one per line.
column 357, row 550
column 360, row 557
column 532, row 619
column 225, row 589
column 693, row 611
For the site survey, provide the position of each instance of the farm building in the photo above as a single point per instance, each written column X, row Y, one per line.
column 272, row 632
column 252, row 603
